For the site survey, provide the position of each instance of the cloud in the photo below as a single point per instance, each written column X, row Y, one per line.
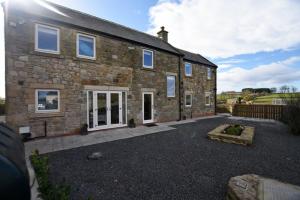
column 222, row 28
column 273, row 74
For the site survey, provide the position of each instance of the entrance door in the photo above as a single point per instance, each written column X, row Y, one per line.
column 105, row 109
column 148, row 107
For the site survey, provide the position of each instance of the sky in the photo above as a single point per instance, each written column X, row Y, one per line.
column 255, row 43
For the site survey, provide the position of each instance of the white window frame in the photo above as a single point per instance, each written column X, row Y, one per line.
column 36, row 45
column 174, row 85
column 77, row 46
column 209, row 95
column 46, row 111
column 188, row 94
column 189, row 75
column 209, row 77
column 146, row 66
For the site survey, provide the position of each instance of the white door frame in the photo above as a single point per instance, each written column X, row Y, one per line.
column 152, row 108
column 108, row 110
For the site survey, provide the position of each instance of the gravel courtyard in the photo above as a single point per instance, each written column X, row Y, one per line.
column 177, row 164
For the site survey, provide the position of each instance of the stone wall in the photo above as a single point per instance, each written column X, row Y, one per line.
column 118, row 63
column 197, row 85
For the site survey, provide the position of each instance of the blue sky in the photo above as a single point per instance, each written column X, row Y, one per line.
column 254, row 44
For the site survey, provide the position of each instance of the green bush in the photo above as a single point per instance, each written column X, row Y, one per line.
column 2, row 108
column 234, row 130
column 291, row 117
column 291, row 113
column 222, row 108
column 47, row 190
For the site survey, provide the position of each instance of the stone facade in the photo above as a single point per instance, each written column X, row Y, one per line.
column 198, row 84
column 118, row 63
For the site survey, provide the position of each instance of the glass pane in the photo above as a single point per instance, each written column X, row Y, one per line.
column 47, row 100
column 188, row 100
column 102, row 109
column 208, row 73
column 148, row 58
column 90, row 109
column 124, row 107
column 147, row 107
column 188, row 69
column 86, row 46
column 47, row 38
column 171, row 86
column 207, row 99
column 114, row 101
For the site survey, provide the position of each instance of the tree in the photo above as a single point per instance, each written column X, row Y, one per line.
column 294, row 89
column 273, row 90
column 284, row 89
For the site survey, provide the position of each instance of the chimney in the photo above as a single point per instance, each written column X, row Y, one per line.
column 162, row 34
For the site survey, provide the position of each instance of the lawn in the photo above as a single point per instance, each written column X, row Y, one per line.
column 178, row 164
column 268, row 98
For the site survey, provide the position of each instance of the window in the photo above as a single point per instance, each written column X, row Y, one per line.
column 188, row 69
column 188, row 100
column 47, row 100
column 171, row 86
column 208, row 73
column 207, row 98
column 86, row 47
column 46, row 39
column 147, row 58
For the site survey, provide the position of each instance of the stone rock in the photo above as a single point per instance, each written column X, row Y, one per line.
column 243, row 187
column 95, row 156
column 254, row 187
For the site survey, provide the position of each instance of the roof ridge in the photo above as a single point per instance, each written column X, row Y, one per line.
column 108, row 21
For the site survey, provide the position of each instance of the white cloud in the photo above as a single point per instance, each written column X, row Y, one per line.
column 273, row 74
column 222, row 28
column 224, row 66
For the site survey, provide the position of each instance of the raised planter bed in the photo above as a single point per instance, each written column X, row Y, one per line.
column 245, row 138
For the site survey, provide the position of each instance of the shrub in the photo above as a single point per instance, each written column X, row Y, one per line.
column 2, row 108
column 291, row 114
column 222, row 108
column 47, row 190
column 234, row 130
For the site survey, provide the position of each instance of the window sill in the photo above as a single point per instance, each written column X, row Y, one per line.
column 47, row 115
column 47, row 54
column 148, row 69
column 85, row 59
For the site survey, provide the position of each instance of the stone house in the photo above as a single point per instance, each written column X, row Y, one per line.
column 66, row 70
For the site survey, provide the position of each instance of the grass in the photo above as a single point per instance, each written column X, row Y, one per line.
column 234, row 130
column 268, row 98
column 47, row 190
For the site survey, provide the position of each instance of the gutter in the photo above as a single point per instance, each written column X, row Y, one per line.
column 179, row 85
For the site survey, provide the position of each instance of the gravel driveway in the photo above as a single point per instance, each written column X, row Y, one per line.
column 177, row 164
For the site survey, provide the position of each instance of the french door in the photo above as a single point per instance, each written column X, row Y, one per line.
column 148, row 107
column 106, row 109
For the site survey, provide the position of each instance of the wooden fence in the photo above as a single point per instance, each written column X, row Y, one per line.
column 258, row 111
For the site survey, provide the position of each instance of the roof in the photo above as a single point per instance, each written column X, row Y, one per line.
column 63, row 14
column 196, row 58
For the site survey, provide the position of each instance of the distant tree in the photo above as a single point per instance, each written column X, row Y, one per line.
column 273, row 90
column 284, row 89
column 251, row 90
column 294, row 89
column 247, row 95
